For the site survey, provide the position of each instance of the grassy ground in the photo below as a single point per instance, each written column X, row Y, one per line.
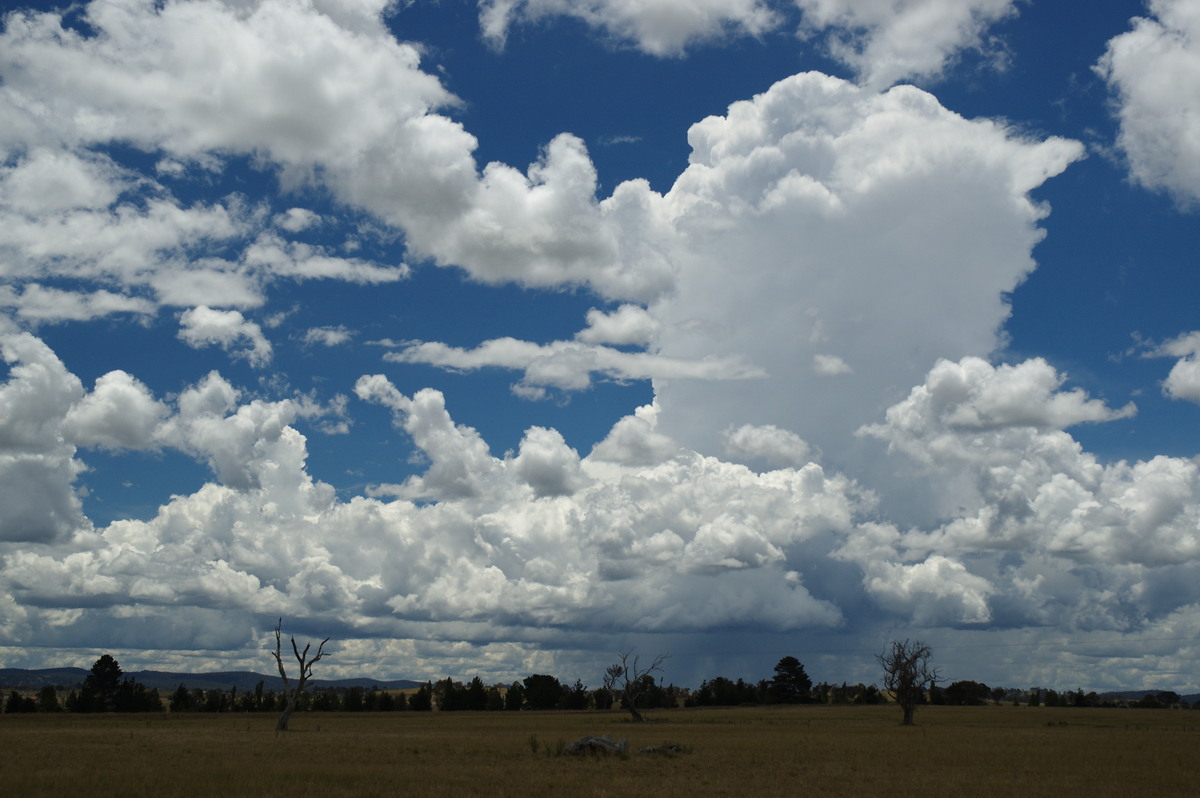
column 810, row 751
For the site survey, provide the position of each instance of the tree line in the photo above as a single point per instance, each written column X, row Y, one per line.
column 103, row 690
column 107, row 689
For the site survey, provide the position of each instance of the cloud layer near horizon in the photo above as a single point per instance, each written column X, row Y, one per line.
column 639, row 536
column 828, row 240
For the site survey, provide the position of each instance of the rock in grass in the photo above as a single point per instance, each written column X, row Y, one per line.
column 598, row 745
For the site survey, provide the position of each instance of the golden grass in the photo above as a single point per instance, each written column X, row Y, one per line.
column 811, row 751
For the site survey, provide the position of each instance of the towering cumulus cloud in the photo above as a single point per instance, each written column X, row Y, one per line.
column 821, row 223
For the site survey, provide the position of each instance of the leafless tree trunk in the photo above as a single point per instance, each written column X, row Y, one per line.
column 627, row 680
column 293, row 694
column 908, row 675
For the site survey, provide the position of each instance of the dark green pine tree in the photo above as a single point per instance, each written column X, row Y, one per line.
column 422, row 700
column 476, row 696
column 99, row 691
column 47, row 700
column 181, row 700
column 542, row 691
column 514, row 699
column 791, row 684
column 19, row 703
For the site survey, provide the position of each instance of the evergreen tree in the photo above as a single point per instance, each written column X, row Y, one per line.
column 840, row 695
column 576, row 697
column 791, row 684
column 422, row 700
column 181, row 700
column 602, row 698
column 967, row 693
column 353, row 700
column 99, row 691
column 132, row 696
column 450, row 695
column 18, row 703
column 869, row 695
column 247, row 702
column 514, row 699
column 214, row 701
column 476, row 696
column 542, row 691
column 47, row 700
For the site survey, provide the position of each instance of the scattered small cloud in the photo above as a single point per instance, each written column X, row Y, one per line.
column 1183, row 382
column 830, row 365
column 295, row 220
column 228, row 329
column 328, row 336
column 610, row 141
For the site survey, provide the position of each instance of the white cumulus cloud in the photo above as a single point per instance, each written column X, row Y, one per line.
column 769, row 443
column 118, row 413
column 641, row 535
column 627, row 325
column 1154, row 71
column 882, row 227
column 1183, row 382
column 658, row 27
column 886, row 42
column 38, row 502
column 297, row 90
column 229, row 329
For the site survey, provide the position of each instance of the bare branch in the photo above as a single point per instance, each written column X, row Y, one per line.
column 278, row 659
column 627, row 679
column 306, row 666
column 907, row 674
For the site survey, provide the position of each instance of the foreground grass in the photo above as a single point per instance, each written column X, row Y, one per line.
column 813, row 751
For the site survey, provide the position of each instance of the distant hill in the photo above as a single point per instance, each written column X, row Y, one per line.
column 1137, row 695
column 24, row 679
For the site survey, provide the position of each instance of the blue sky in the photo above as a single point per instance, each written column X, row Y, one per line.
column 497, row 338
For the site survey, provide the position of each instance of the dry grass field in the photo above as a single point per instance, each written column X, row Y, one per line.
column 802, row 751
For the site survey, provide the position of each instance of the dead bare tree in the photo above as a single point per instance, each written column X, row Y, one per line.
column 908, row 674
column 629, row 681
column 293, row 693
